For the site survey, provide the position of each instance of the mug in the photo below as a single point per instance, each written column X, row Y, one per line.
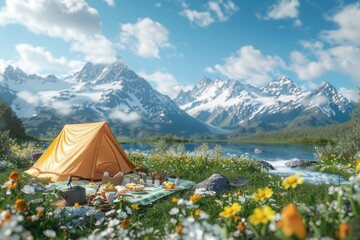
column 149, row 182
column 110, row 197
column 157, row 183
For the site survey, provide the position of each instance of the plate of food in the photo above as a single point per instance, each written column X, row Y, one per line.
column 137, row 189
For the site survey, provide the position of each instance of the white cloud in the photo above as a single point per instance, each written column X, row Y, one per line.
column 220, row 9
column 37, row 59
column 62, row 108
column 283, row 9
column 164, row 82
column 250, row 66
column 209, row 69
column 350, row 94
column 29, row 97
column 124, row 117
column 71, row 20
column 158, row 5
column 348, row 21
column 202, row 19
column 110, row 2
column 341, row 58
column 97, row 49
column 145, row 38
column 343, row 55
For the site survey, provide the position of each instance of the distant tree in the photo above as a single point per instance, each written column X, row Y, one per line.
column 9, row 121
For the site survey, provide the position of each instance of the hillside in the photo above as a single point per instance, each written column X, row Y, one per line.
column 311, row 135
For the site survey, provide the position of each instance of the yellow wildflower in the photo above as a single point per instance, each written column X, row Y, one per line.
column 262, row 215
column 291, row 223
column 197, row 212
column 77, row 205
column 262, row 194
column 135, row 206
column 358, row 165
column 20, row 205
column 231, row 210
column 174, row 200
column 292, row 181
column 195, row 197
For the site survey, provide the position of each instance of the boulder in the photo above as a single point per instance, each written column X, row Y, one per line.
column 216, row 182
column 295, row 163
column 267, row 165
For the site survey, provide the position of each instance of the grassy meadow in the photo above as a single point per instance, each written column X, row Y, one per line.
column 270, row 207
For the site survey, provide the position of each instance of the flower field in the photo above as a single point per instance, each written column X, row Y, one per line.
column 270, row 207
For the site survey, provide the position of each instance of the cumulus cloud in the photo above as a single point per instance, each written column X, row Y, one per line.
column 164, row 82
column 341, row 55
column 124, row 117
column 223, row 9
column 350, row 94
column 146, row 37
column 342, row 58
column 72, row 20
column 201, row 19
column 348, row 21
column 283, row 9
column 220, row 9
column 37, row 59
column 249, row 65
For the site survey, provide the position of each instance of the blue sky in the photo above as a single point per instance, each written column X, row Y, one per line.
column 173, row 44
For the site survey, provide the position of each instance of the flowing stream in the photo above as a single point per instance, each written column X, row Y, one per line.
column 275, row 154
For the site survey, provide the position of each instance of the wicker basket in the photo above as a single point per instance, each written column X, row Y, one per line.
column 114, row 180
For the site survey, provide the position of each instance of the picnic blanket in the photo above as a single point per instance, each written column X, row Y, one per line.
column 142, row 198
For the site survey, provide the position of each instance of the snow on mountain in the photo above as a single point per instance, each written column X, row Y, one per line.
column 231, row 105
column 99, row 92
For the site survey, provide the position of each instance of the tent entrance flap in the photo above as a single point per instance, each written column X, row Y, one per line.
column 84, row 150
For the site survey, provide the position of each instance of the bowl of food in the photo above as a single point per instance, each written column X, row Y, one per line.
column 109, row 187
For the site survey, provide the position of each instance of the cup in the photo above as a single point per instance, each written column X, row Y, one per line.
column 157, row 183
column 110, row 197
column 149, row 182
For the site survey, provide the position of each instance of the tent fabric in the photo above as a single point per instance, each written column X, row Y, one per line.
column 85, row 150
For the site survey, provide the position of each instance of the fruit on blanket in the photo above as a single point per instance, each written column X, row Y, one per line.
column 169, row 185
column 109, row 187
column 130, row 185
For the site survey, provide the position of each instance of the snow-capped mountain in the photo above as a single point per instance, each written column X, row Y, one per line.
column 99, row 92
column 279, row 104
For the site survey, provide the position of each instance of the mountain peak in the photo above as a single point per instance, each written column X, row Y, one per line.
column 281, row 86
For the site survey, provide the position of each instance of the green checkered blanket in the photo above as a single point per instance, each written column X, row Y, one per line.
column 150, row 194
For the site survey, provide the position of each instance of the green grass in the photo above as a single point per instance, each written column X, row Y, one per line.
column 155, row 221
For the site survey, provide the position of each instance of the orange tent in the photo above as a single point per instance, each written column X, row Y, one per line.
column 85, row 150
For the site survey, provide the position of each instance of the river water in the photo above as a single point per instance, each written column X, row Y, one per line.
column 275, row 154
